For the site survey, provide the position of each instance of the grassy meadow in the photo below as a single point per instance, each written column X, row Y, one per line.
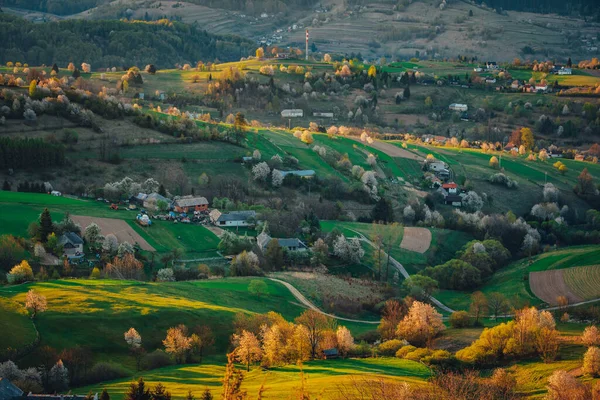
column 322, row 378
column 112, row 307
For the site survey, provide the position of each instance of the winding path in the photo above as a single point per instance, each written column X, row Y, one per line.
column 300, row 297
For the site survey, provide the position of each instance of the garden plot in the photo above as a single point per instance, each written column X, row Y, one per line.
column 117, row 227
column 416, row 239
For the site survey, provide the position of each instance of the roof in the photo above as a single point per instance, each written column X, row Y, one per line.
column 451, row 198
column 331, row 352
column 8, row 391
column 450, row 185
column 263, row 239
column 190, row 201
column 237, row 216
column 70, row 237
column 291, row 242
column 156, row 197
column 303, row 172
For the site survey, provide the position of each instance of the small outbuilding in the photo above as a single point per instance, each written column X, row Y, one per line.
column 188, row 204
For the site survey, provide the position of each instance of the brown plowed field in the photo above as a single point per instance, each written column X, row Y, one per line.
column 416, row 239
column 117, row 227
column 549, row 285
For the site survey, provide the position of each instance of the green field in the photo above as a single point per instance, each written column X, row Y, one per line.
column 512, row 280
column 584, row 281
column 162, row 235
column 322, row 377
column 112, row 307
column 444, row 244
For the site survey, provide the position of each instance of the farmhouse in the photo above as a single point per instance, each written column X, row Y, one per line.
column 330, row 353
column 450, row 188
column 289, row 244
column 565, row 71
column 292, row 113
column 458, row 107
column 491, row 65
column 233, row 218
column 541, row 88
column 490, row 80
column 190, row 203
column 437, row 166
column 304, row 173
column 150, row 201
column 72, row 245
column 515, row 85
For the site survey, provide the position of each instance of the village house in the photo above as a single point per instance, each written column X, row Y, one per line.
column 450, row 188
column 458, row 107
column 150, row 201
column 491, row 65
column 72, row 245
column 188, row 204
column 437, row 166
column 233, row 218
column 289, row 244
column 515, row 85
column 565, row 71
column 490, row 80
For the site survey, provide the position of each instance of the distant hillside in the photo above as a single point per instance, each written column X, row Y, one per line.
column 114, row 43
column 589, row 8
column 68, row 7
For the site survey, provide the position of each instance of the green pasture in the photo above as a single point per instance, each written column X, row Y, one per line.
column 323, row 378
column 162, row 235
column 112, row 307
column 512, row 280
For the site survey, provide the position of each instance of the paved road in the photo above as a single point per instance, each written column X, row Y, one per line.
column 300, row 297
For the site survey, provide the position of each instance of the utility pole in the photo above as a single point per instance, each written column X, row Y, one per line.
column 306, row 51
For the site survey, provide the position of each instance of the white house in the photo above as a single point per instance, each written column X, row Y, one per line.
column 292, row 113
column 304, row 173
column 565, row 71
column 458, row 107
column 233, row 218
column 437, row 166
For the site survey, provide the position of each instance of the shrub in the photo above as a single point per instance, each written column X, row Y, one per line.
column 460, row 319
column 390, row 347
column 105, row 371
column 418, row 354
column 591, row 361
column 501, row 179
column 156, row 359
column 20, row 273
column 405, row 350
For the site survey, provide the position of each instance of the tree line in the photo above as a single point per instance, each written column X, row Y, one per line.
column 28, row 152
column 114, row 43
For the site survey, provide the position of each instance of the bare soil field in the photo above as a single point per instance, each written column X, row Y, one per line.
column 549, row 285
column 416, row 239
column 394, row 151
column 117, row 227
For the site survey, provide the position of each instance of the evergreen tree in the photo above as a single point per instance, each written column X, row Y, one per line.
column 55, row 68
column 46, row 226
column 383, row 211
column 137, row 391
column 6, row 186
column 76, row 73
column 207, row 395
column 407, row 92
column 161, row 190
column 160, row 393
column 104, row 395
